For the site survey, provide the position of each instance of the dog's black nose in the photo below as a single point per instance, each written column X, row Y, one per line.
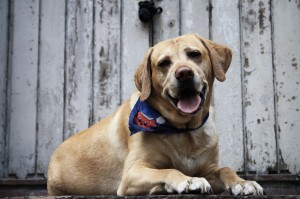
column 184, row 74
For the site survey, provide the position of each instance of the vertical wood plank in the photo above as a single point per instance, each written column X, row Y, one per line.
column 24, row 67
column 258, row 86
column 51, row 81
column 167, row 24
column 227, row 95
column 286, row 18
column 195, row 17
column 3, row 71
column 107, row 58
column 135, row 42
column 79, row 50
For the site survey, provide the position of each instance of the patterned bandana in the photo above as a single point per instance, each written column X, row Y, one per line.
column 144, row 118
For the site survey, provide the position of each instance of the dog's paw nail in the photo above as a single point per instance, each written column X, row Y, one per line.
column 183, row 187
column 237, row 190
column 168, row 188
column 193, row 185
column 247, row 188
column 200, row 184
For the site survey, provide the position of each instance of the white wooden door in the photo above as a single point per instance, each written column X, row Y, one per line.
column 66, row 64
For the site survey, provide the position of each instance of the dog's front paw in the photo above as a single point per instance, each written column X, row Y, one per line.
column 192, row 185
column 247, row 188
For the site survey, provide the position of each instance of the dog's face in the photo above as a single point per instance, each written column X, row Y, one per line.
column 179, row 73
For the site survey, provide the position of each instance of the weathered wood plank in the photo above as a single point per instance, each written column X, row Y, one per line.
column 3, row 71
column 135, row 42
column 79, row 38
column 258, row 86
column 286, row 37
column 191, row 22
column 116, row 54
column 167, row 24
column 107, row 53
column 227, row 95
column 51, row 81
column 24, row 68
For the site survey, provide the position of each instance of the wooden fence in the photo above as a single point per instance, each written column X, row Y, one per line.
column 66, row 64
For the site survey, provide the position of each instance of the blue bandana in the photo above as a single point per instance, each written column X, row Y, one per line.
column 144, row 118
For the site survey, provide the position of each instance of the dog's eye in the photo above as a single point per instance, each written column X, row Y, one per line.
column 164, row 63
column 194, row 54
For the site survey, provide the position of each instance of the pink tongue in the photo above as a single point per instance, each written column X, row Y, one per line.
column 189, row 104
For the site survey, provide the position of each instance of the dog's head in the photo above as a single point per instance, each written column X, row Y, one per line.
column 176, row 75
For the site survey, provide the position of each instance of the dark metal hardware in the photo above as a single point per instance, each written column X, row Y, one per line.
column 147, row 11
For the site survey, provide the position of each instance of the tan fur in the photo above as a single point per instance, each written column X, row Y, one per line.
column 105, row 160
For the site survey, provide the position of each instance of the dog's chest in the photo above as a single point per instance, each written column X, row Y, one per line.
column 188, row 156
column 186, row 165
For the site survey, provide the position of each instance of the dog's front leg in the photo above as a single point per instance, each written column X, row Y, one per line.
column 141, row 179
column 226, row 179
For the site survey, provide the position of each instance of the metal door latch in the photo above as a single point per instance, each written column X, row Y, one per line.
column 147, row 11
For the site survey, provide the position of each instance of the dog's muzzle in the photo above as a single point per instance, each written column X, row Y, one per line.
column 189, row 99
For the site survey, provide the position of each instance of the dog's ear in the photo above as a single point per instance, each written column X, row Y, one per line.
column 220, row 57
column 142, row 77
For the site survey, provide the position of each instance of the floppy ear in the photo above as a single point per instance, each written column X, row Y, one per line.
column 220, row 57
column 142, row 77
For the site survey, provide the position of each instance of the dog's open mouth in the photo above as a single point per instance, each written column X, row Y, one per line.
column 189, row 101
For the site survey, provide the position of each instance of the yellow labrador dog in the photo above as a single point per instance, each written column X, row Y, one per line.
column 161, row 140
